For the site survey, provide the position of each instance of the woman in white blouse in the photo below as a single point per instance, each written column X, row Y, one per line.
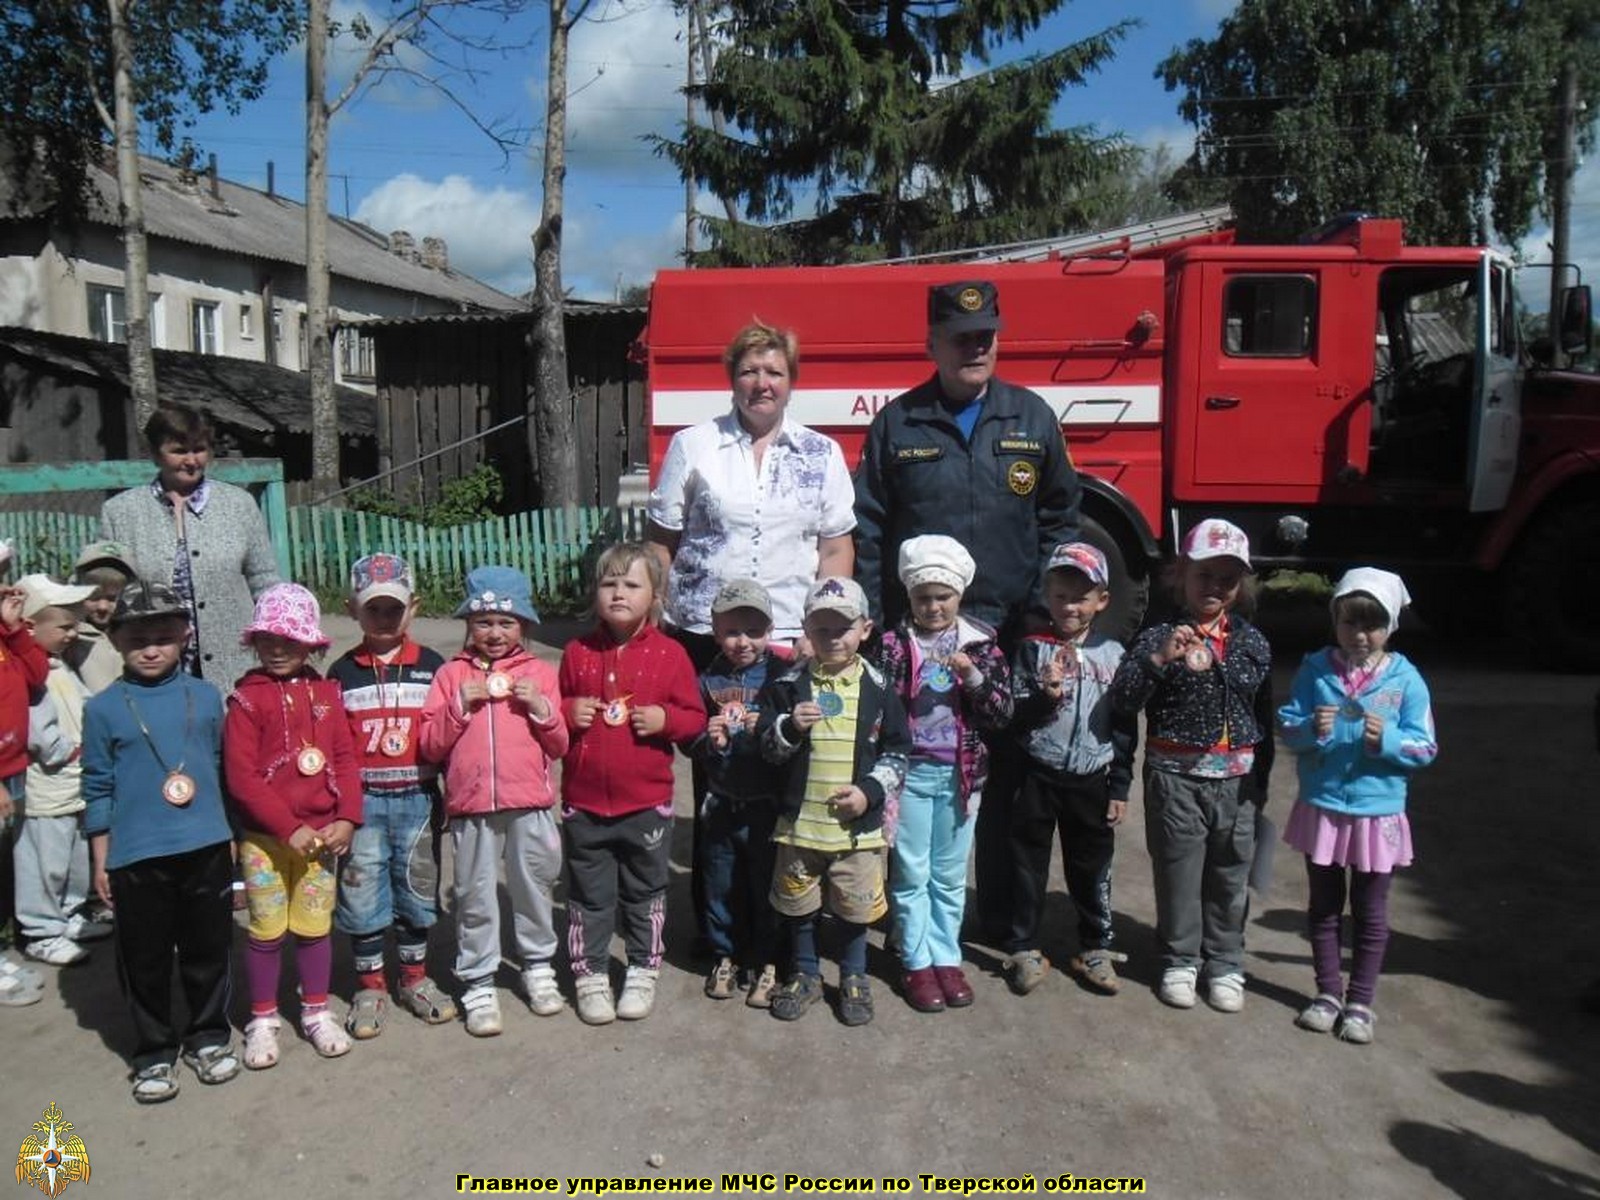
column 751, row 495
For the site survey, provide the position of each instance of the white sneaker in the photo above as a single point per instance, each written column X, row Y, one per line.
column 638, row 994
column 595, row 1006
column 483, row 1011
column 1177, row 986
column 1226, row 992
column 58, row 951
column 20, row 985
column 86, row 929
column 544, row 997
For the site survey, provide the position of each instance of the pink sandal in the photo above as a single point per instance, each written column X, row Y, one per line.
column 261, row 1043
column 323, row 1032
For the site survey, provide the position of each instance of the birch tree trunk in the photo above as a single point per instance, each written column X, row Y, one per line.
column 130, row 202
column 554, row 412
column 324, row 407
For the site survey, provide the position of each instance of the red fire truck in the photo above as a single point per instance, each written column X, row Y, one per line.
column 1349, row 399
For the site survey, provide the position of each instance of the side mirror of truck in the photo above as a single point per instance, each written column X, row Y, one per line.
column 1577, row 321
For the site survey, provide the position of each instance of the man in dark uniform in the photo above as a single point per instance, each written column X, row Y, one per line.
column 971, row 456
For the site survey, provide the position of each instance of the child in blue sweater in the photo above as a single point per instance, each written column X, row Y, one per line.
column 159, row 841
column 1359, row 722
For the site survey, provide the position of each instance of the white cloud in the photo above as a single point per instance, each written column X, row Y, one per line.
column 487, row 230
column 594, row 257
column 624, row 72
column 1177, row 138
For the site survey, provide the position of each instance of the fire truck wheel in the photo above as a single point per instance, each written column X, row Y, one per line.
column 1130, row 594
column 1555, row 578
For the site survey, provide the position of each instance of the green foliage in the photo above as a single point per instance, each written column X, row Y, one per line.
column 191, row 57
column 474, row 496
column 874, row 106
column 1442, row 112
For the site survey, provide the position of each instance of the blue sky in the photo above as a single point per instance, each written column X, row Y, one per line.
column 403, row 158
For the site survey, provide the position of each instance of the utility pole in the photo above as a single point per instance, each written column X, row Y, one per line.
column 1560, row 172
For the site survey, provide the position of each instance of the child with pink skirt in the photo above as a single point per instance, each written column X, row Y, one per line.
column 1359, row 721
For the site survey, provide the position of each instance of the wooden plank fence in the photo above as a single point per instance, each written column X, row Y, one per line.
column 552, row 547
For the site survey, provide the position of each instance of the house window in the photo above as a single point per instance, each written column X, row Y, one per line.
column 108, row 318
column 108, row 315
column 305, row 344
column 1269, row 316
column 277, row 323
column 247, row 321
column 205, row 331
column 357, row 355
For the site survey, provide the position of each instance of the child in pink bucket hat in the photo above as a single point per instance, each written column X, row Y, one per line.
column 290, row 611
column 292, row 768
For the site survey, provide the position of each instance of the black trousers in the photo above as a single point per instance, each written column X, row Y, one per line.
column 1047, row 803
column 612, row 863
column 180, row 904
column 992, row 866
column 701, row 648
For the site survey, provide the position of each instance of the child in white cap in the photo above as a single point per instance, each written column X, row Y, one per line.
column 296, row 782
column 1360, row 722
column 1196, row 678
column 51, row 853
column 953, row 681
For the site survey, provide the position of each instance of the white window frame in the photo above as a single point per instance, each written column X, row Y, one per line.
column 358, row 355
column 102, row 295
column 205, row 327
column 247, row 321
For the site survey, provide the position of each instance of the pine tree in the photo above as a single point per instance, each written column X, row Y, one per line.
column 888, row 115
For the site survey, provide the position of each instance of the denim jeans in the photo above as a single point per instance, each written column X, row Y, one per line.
column 736, row 858
column 392, row 870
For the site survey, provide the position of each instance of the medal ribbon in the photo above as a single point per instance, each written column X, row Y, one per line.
column 149, row 740
column 1356, row 680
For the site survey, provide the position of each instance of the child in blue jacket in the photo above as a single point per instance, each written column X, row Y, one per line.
column 1359, row 722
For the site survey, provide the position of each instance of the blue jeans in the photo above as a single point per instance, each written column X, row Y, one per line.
column 928, row 885
column 736, row 858
column 392, row 871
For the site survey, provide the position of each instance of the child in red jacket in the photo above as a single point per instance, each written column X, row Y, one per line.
column 292, row 770
column 630, row 693
column 23, row 670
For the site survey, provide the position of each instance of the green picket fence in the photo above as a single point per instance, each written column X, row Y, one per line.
column 551, row 546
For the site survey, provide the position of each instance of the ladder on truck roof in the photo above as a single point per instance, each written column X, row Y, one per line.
column 1202, row 225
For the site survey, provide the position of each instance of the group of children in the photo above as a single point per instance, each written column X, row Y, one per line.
column 833, row 781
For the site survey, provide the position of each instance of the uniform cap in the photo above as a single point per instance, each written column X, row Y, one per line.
column 106, row 554
column 743, row 593
column 498, row 590
column 1216, row 538
column 936, row 558
column 40, row 592
column 380, row 575
column 288, row 611
column 1387, row 588
column 142, row 599
column 1081, row 557
column 837, row 594
column 964, row 306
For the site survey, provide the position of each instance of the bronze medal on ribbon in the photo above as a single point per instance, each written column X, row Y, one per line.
column 499, row 685
column 1199, row 657
column 616, row 713
column 178, row 790
column 310, row 761
column 394, row 743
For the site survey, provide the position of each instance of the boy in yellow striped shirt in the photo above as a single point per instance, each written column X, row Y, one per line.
column 839, row 730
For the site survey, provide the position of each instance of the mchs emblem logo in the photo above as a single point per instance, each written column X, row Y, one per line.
column 52, row 1156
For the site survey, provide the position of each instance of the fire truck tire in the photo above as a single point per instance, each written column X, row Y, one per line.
column 1553, row 582
column 1130, row 593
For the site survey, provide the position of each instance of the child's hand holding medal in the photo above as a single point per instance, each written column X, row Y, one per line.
column 807, row 713
column 527, row 693
column 474, row 692
column 584, row 709
column 648, row 719
column 1322, row 718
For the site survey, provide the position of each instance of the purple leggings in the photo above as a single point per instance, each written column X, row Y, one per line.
column 1369, row 908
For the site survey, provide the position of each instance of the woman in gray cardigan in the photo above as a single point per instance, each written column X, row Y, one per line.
column 205, row 537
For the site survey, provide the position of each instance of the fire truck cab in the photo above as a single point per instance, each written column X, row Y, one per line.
column 1348, row 399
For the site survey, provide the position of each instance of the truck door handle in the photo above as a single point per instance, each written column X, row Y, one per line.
column 1215, row 402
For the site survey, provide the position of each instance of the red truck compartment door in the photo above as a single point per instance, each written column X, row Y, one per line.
column 1279, row 398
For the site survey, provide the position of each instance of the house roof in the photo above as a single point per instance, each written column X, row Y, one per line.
column 244, row 221
column 233, row 391
column 574, row 310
